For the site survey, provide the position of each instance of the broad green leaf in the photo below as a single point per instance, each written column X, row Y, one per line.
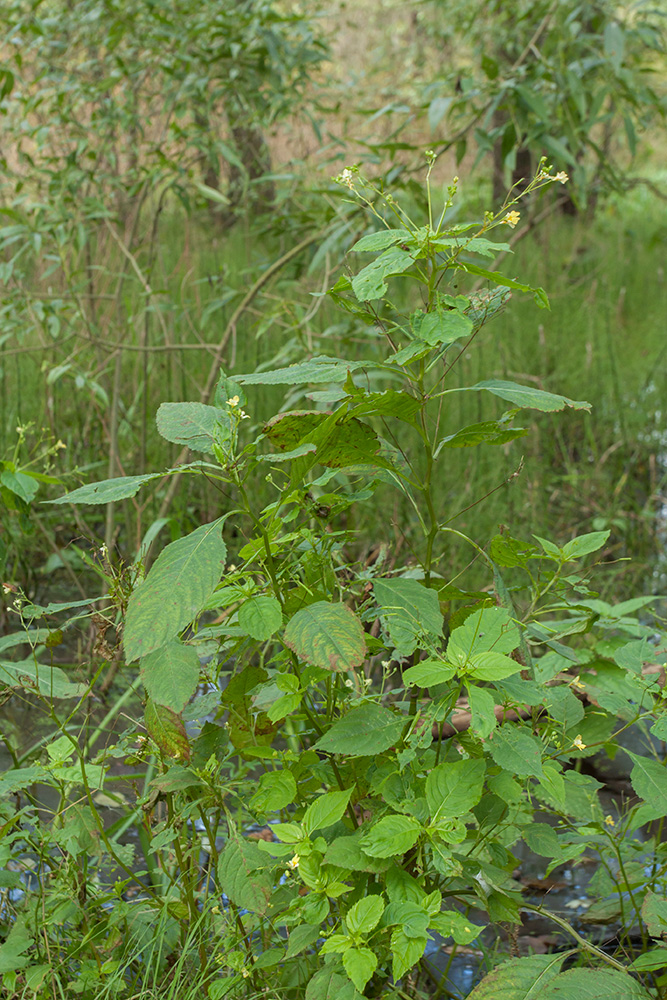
column 500, row 279
column 51, row 682
column 367, row 730
column 392, row 835
column 517, row 752
column 325, row 810
column 492, row 666
column 527, row 397
column 654, row 913
column 405, row 952
column 487, row 432
column 20, row 778
column 346, row 852
column 407, row 610
column 327, row 635
column 192, row 424
column 381, row 240
column 649, row 780
column 442, row 327
column 360, row 964
column 327, row 984
column 585, row 544
column 364, row 916
column 542, row 839
column 171, row 674
column 391, row 402
column 260, row 617
column 654, row 958
column 486, row 630
column 412, row 917
column 348, row 442
column 182, row 578
column 450, row 923
column 592, row 984
column 166, row 728
column 483, row 710
column 522, row 979
column 453, row 789
column 108, row 490
column 300, row 938
column 370, row 282
column 318, row 369
column 429, row 672
column 22, row 485
column 277, row 789
column 242, row 876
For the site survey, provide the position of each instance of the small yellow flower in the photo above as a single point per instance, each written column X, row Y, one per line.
column 577, row 683
column 245, row 973
column 59, row 444
column 215, row 909
column 562, row 177
column 512, row 218
column 234, row 401
column 609, row 821
column 578, row 743
column 294, row 863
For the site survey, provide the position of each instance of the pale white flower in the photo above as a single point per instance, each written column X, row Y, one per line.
column 562, row 177
column 578, row 743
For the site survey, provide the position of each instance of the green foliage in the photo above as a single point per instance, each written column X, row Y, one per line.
column 576, row 80
column 329, row 697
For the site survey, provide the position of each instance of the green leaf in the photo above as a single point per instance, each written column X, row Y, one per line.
column 453, row 789
column 20, row 778
column 327, row 984
column 390, row 836
column 327, row 635
column 450, row 923
column 654, row 958
column 370, row 282
column 521, row 979
column 51, row 682
column 192, row 424
column 407, row 610
column 276, row 790
column 337, row 444
column 488, row 432
column 585, row 544
column 178, row 584
column 360, row 964
column 592, row 984
column 316, row 370
column 365, row 731
column 22, row 485
column 492, row 666
column 171, row 674
column 441, row 327
column 654, row 913
column 527, row 397
column 166, row 728
column 483, row 711
column 517, row 752
column 242, row 876
column 429, row 672
column 325, row 810
column 108, row 490
column 649, row 780
column 364, row 916
column 405, row 952
column 300, row 938
column 497, row 278
column 260, row 617
column 381, row 240
column 486, row 630
column 542, row 840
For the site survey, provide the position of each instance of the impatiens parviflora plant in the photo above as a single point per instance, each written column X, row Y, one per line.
column 379, row 738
